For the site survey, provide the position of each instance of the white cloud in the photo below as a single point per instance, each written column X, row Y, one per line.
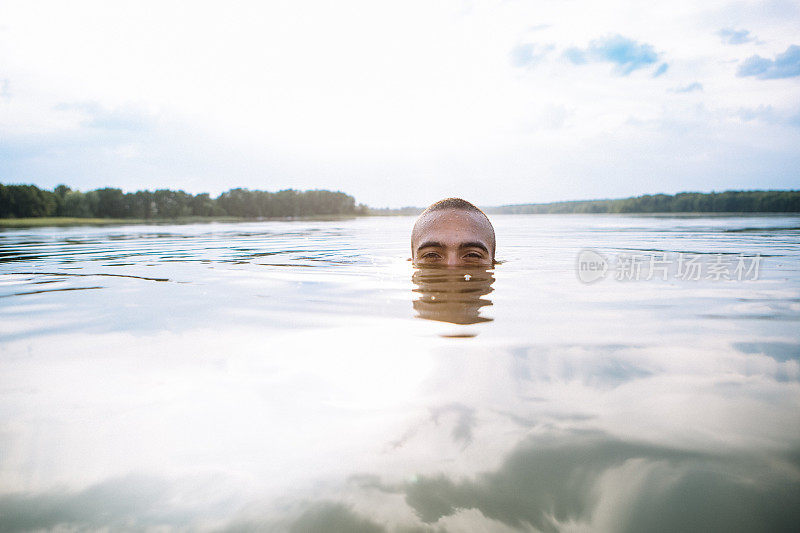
column 392, row 103
column 733, row 36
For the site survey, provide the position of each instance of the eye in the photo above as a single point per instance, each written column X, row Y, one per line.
column 430, row 255
column 474, row 255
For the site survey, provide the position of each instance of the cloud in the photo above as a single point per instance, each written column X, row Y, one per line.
column 575, row 55
column 528, row 54
column 662, row 68
column 141, row 503
column 785, row 65
column 334, row 517
column 780, row 351
column 550, row 483
column 767, row 114
column 465, row 421
column 96, row 116
column 731, row 36
column 131, row 502
column 692, row 87
column 628, row 55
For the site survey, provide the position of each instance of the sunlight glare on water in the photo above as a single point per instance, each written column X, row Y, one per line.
column 301, row 375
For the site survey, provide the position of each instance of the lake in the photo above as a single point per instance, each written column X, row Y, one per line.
column 613, row 373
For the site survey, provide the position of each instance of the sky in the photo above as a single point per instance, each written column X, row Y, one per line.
column 402, row 103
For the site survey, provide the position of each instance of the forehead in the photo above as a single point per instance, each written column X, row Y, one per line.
column 452, row 227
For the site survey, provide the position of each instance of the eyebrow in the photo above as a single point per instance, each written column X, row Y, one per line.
column 474, row 244
column 437, row 244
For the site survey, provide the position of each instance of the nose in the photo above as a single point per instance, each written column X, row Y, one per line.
column 453, row 260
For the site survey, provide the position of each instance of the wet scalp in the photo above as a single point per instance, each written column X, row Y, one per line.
column 454, row 204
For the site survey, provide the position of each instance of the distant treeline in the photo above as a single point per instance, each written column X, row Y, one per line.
column 684, row 202
column 389, row 211
column 22, row 201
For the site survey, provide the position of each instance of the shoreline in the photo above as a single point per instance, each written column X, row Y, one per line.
column 44, row 222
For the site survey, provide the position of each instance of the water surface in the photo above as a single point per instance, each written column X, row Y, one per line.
column 302, row 376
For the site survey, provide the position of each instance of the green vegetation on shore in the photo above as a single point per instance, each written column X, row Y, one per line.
column 30, row 206
column 29, row 201
column 684, row 202
column 40, row 222
column 34, row 222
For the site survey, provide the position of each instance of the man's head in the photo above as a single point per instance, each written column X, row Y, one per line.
column 453, row 232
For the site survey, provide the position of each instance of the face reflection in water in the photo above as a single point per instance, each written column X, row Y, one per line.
column 454, row 295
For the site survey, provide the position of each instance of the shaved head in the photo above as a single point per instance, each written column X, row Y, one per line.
column 453, row 232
